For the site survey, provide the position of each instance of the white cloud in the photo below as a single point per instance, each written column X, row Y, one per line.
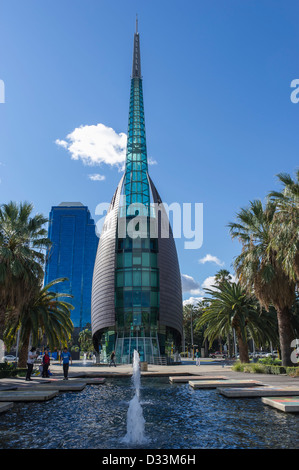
column 190, row 285
column 209, row 283
column 211, row 259
column 97, row 144
column 192, row 301
column 97, row 177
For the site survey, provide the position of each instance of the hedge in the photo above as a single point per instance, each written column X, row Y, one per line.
column 8, row 370
column 258, row 368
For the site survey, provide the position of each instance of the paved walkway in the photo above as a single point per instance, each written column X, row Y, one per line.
column 207, row 367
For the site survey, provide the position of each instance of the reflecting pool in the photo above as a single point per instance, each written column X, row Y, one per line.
column 176, row 417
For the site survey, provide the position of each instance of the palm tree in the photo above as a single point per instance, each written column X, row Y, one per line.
column 47, row 313
column 260, row 271
column 285, row 225
column 221, row 276
column 230, row 307
column 22, row 241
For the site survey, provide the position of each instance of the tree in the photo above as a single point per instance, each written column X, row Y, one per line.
column 230, row 307
column 85, row 340
column 47, row 313
column 223, row 275
column 260, row 271
column 22, row 241
column 285, row 225
column 190, row 315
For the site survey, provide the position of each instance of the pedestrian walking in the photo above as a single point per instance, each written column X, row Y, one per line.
column 112, row 361
column 197, row 355
column 65, row 358
column 46, row 364
column 30, row 361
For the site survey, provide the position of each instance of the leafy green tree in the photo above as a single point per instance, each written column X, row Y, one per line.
column 23, row 240
column 47, row 313
column 85, row 340
column 260, row 271
column 230, row 307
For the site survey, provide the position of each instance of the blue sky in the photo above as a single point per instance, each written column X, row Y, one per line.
column 220, row 123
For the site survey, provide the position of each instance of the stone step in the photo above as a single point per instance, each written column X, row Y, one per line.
column 258, row 391
column 62, row 386
column 89, row 380
column 27, row 395
column 4, row 406
column 286, row 404
column 196, row 384
column 187, row 378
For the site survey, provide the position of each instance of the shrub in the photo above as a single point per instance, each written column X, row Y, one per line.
column 269, row 361
column 238, row 366
column 7, row 370
column 257, row 368
column 292, row 371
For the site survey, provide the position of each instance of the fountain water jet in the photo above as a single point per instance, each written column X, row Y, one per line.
column 135, row 419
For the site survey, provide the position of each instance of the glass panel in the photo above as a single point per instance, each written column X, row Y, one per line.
column 119, row 260
column 145, row 259
column 128, row 317
column 137, row 277
column 127, row 298
column 154, row 299
column 137, row 318
column 145, row 278
column 119, row 278
column 137, row 298
column 153, row 260
column 119, row 298
column 128, row 260
column 145, row 298
column 154, row 279
column 128, row 278
column 137, row 258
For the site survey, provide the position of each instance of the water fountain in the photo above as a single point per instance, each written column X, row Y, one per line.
column 135, row 420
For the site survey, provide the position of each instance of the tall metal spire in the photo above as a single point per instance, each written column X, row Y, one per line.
column 136, row 69
column 136, row 180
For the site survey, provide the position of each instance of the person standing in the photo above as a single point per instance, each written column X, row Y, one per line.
column 46, row 363
column 197, row 355
column 65, row 358
column 112, row 361
column 30, row 361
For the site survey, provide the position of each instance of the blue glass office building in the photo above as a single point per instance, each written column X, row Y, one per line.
column 72, row 255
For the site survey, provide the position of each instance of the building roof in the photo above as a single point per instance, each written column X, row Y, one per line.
column 71, row 204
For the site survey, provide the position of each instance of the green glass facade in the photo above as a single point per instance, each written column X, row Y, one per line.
column 134, row 319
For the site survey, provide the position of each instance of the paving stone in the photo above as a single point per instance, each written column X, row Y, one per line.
column 223, row 383
column 8, row 387
column 90, row 380
column 286, row 404
column 259, row 391
column 62, row 386
column 27, row 395
column 4, row 406
column 187, row 378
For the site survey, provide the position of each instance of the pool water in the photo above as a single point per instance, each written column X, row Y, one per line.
column 176, row 417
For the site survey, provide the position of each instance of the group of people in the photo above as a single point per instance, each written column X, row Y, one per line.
column 65, row 359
